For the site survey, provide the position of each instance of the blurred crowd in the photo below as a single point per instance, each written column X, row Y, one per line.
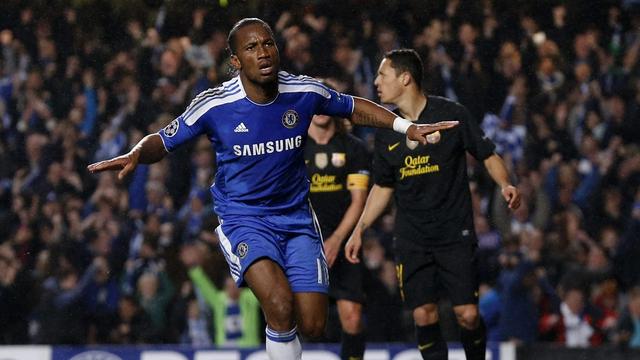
column 87, row 259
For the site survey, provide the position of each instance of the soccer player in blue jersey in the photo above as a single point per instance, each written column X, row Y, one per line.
column 257, row 123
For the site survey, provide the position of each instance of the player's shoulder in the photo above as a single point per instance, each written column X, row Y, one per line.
column 227, row 88
column 355, row 142
column 386, row 136
column 228, row 92
column 289, row 83
column 284, row 76
column 440, row 103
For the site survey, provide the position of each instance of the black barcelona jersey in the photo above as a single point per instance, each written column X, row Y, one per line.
column 430, row 181
column 333, row 169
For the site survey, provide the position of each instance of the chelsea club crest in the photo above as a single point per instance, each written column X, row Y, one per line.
column 242, row 250
column 290, row 119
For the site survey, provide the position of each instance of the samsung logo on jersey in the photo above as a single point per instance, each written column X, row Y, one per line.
column 268, row 147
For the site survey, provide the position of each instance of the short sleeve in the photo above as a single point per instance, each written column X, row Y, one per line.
column 475, row 141
column 336, row 104
column 179, row 132
column 360, row 157
column 358, row 168
column 381, row 169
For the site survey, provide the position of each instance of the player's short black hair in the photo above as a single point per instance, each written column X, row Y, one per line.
column 406, row 60
column 231, row 39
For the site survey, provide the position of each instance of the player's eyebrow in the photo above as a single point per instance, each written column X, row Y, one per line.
column 250, row 42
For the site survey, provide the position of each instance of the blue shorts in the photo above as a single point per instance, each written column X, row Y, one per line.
column 292, row 240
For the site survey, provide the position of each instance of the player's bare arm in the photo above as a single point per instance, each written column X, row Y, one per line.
column 148, row 151
column 334, row 242
column 377, row 202
column 368, row 113
column 499, row 173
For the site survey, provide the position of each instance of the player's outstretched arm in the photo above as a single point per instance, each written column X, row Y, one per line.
column 368, row 113
column 149, row 150
column 377, row 202
column 499, row 173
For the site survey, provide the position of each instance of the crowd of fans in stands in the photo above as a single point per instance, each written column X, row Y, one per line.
column 86, row 259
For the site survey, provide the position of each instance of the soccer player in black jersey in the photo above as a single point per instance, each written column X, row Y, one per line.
column 338, row 167
column 435, row 239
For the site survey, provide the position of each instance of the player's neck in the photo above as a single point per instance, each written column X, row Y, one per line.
column 411, row 104
column 259, row 93
column 322, row 135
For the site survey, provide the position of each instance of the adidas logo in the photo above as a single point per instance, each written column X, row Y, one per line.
column 241, row 128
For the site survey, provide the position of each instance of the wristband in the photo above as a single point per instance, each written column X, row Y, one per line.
column 401, row 125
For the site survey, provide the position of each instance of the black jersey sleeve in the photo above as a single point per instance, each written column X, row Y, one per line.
column 475, row 142
column 360, row 159
column 382, row 170
column 358, row 164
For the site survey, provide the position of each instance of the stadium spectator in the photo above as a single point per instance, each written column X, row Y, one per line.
column 236, row 312
column 74, row 86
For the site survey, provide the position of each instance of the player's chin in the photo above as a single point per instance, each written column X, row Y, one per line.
column 267, row 78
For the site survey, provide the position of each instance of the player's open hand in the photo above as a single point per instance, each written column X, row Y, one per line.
column 419, row 132
column 352, row 249
column 511, row 194
column 125, row 163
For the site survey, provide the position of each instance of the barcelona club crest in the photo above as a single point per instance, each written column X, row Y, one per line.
column 338, row 159
column 290, row 119
column 321, row 160
column 172, row 128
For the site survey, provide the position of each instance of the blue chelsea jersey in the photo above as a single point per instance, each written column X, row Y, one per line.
column 259, row 147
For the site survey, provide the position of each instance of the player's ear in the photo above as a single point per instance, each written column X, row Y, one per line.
column 406, row 78
column 235, row 62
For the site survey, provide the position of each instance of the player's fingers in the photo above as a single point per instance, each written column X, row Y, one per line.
column 347, row 252
column 126, row 170
column 512, row 198
column 515, row 202
column 113, row 164
column 330, row 260
column 443, row 125
column 352, row 253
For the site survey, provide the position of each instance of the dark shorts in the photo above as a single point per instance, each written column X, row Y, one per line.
column 346, row 280
column 452, row 268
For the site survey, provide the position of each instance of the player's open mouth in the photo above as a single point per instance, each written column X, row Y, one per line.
column 266, row 68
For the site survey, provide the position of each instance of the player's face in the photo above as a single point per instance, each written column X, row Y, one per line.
column 388, row 83
column 257, row 55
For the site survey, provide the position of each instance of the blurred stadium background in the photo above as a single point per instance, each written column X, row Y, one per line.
column 85, row 260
